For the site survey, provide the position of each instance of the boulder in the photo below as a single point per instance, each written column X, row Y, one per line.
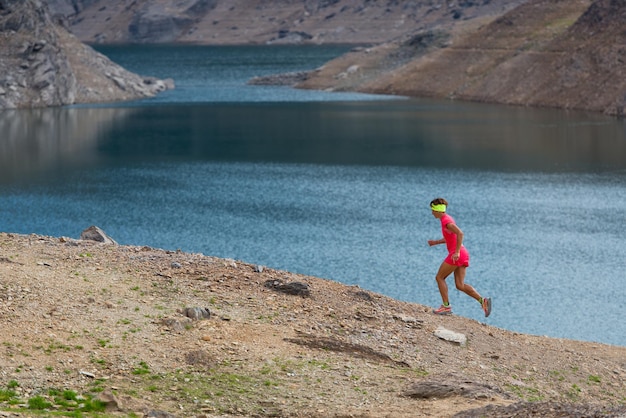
column 93, row 233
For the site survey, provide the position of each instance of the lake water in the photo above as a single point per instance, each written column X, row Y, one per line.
column 337, row 185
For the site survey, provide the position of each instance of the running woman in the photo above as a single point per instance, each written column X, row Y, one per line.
column 456, row 262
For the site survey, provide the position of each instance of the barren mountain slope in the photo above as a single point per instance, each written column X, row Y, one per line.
column 562, row 53
column 262, row 21
column 85, row 322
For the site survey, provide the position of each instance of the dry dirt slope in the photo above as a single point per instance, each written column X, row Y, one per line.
column 84, row 321
column 552, row 53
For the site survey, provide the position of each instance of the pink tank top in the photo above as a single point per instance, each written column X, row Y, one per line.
column 449, row 236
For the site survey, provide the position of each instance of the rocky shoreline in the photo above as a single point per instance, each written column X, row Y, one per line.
column 153, row 332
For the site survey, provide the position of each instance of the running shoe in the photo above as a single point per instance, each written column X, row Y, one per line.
column 443, row 310
column 487, row 306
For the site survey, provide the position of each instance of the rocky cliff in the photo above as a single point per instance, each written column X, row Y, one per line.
column 42, row 64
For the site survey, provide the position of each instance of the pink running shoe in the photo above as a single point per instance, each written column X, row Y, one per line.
column 487, row 306
column 443, row 310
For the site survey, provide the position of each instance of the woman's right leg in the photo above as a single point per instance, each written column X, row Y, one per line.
column 444, row 271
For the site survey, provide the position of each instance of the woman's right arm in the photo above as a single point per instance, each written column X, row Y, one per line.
column 432, row 242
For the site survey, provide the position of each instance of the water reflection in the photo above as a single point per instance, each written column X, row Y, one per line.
column 514, row 138
column 39, row 141
column 398, row 133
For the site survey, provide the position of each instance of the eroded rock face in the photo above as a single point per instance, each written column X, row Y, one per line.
column 42, row 64
column 35, row 70
column 260, row 22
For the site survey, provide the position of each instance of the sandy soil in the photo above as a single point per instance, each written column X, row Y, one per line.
column 149, row 332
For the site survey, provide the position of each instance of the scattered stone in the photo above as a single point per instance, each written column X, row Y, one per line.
column 333, row 344
column 176, row 265
column 258, row 269
column 410, row 321
column 197, row 313
column 453, row 337
column 448, row 386
column 176, row 325
column 161, row 85
column 93, row 233
column 293, row 288
column 159, row 414
column 361, row 294
column 116, row 402
column 39, row 45
column 120, row 82
column 110, row 401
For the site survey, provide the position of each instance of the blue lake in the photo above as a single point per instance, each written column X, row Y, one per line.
column 337, row 185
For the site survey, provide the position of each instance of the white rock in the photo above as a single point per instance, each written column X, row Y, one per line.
column 454, row 337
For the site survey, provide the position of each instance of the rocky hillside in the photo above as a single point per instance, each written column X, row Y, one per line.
column 262, row 21
column 89, row 327
column 555, row 53
column 42, row 64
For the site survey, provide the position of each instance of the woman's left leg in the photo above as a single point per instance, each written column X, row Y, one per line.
column 444, row 271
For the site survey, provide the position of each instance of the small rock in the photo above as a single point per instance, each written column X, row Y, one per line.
column 362, row 294
column 453, row 337
column 197, row 313
column 39, row 45
column 409, row 321
column 176, row 325
column 293, row 288
column 159, row 414
column 93, row 233
column 109, row 400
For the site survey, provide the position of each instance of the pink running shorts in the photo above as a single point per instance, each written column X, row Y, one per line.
column 463, row 260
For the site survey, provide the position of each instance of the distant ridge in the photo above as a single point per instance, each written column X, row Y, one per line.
column 260, row 22
column 544, row 53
